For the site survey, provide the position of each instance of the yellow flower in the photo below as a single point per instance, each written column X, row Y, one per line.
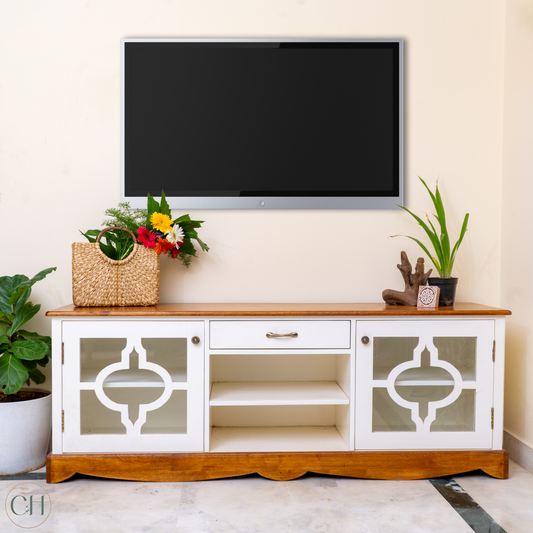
column 161, row 222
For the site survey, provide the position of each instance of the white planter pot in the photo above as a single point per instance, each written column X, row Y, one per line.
column 25, row 429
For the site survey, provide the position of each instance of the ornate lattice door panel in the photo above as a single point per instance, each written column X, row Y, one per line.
column 424, row 384
column 133, row 386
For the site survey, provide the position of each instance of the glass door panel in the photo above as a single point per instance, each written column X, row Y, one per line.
column 96, row 354
column 387, row 415
column 170, row 354
column 389, row 352
column 96, row 418
column 170, row 417
column 424, row 383
column 459, row 415
column 138, row 385
column 459, row 352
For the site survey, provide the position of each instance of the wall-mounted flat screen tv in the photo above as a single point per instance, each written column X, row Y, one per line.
column 263, row 123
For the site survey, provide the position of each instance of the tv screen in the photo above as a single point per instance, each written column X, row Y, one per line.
column 266, row 124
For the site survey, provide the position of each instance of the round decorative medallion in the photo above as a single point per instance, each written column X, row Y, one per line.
column 427, row 296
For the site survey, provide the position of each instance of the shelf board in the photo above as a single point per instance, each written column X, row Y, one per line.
column 277, row 439
column 277, row 393
column 134, row 378
column 425, row 383
column 134, row 384
column 416, row 377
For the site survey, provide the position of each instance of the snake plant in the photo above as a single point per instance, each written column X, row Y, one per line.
column 444, row 256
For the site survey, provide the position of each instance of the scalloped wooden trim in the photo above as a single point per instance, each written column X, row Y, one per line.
column 281, row 466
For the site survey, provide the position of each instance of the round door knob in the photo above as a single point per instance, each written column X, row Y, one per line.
column 365, row 340
column 195, row 340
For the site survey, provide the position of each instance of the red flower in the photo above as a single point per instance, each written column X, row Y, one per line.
column 175, row 252
column 146, row 238
column 162, row 246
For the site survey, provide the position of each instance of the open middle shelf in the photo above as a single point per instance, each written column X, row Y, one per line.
column 279, row 402
column 277, row 393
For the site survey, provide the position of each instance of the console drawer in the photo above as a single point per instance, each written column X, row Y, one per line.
column 252, row 334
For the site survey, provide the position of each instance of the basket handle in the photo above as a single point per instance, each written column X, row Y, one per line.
column 116, row 227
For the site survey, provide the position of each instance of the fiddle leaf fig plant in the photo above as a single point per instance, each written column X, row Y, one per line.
column 444, row 256
column 21, row 351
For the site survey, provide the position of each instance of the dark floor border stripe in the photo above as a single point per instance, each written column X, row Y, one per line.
column 24, row 477
column 467, row 508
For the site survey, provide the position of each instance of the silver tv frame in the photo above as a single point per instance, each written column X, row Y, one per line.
column 269, row 202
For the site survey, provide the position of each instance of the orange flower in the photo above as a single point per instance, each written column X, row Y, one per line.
column 162, row 246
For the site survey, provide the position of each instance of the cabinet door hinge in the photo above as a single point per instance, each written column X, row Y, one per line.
column 62, row 421
column 494, row 351
column 62, row 353
column 492, row 418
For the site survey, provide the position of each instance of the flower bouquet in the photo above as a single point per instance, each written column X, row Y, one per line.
column 154, row 229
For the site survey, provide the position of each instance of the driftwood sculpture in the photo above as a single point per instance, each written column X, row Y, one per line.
column 412, row 282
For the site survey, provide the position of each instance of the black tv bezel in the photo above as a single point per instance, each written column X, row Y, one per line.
column 273, row 199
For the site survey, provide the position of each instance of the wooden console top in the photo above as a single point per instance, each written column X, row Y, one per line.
column 278, row 309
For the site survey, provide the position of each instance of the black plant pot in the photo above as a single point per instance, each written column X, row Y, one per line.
column 448, row 287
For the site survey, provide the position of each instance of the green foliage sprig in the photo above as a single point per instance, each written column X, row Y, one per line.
column 117, row 244
column 444, row 256
column 21, row 351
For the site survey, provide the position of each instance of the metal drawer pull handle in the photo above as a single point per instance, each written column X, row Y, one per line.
column 365, row 340
column 273, row 335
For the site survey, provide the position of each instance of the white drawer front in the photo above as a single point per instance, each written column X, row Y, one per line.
column 252, row 334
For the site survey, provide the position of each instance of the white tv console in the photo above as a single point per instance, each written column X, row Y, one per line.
column 183, row 392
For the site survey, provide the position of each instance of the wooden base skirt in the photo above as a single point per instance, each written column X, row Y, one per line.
column 279, row 466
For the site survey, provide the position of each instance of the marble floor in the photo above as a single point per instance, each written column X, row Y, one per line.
column 251, row 504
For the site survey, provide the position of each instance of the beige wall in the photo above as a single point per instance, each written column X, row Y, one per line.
column 517, row 198
column 60, row 146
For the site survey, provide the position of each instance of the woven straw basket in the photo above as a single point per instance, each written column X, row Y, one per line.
column 99, row 281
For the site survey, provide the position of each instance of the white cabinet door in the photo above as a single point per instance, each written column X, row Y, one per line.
column 424, row 384
column 133, row 386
